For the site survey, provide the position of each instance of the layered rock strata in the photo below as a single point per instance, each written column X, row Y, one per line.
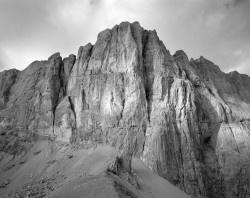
column 186, row 119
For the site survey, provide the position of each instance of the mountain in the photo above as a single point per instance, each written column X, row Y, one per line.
column 186, row 120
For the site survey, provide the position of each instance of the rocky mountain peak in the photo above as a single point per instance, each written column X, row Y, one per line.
column 54, row 56
column 186, row 120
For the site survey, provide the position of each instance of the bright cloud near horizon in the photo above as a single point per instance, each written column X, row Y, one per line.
column 32, row 30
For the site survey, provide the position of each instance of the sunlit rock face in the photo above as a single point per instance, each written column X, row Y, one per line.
column 186, row 119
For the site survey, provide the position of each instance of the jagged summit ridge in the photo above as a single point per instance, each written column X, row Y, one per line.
column 187, row 120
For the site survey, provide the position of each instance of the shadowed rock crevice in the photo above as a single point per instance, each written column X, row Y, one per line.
column 85, row 105
column 55, row 83
column 75, row 135
column 147, row 72
column 65, row 71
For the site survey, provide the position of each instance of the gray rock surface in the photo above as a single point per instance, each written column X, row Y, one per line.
column 186, row 119
column 7, row 79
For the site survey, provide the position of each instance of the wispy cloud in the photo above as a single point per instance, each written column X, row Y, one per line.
column 244, row 67
column 230, row 3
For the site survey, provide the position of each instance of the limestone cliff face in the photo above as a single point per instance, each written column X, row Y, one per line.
column 187, row 120
column 33, row 98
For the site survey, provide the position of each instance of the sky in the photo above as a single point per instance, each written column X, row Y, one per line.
column 32, row 30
